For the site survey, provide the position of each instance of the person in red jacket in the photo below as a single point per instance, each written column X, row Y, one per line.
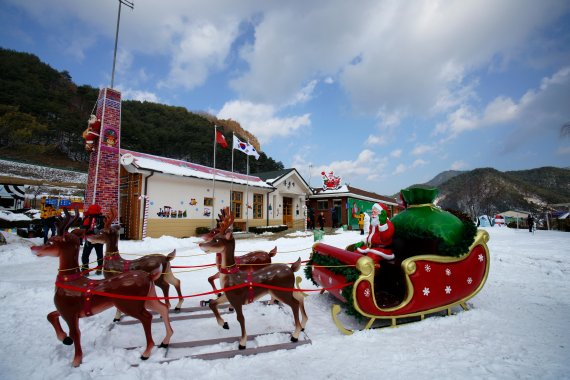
column 93, row 222
column 379, row 235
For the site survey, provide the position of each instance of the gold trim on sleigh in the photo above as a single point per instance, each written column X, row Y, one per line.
column 366, row 267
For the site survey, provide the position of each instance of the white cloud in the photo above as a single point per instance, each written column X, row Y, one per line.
column 262, row 121
column 419, row 162
column 401, row 168
column 389, row 119
column 396, row 153
column 304, row 95
column 202, row 48
column 458, row 165
column 388, row 55
column 376, row 140
column 565, row 150
column 366, row 165
column 536, row 109
column 422, row 149
column 139, row 95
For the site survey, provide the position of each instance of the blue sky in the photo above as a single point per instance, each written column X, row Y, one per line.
column 384, row 93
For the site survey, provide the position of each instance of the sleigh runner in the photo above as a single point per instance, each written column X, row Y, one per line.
column 414, row 287
column 226, row 353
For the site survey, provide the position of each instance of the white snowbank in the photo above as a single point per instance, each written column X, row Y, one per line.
column 517, row 327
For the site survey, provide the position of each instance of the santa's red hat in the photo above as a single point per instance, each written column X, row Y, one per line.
column 379, row 207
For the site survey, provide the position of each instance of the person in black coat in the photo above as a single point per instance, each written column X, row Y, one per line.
column 48, row 221
column 321, row 221
column 93, row 222
column 530, row 222
column 334, row 218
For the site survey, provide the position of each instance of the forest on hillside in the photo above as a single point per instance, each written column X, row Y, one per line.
column 489, row 191
column 43, row 114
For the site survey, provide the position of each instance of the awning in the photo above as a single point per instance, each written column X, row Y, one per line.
column 13, row 191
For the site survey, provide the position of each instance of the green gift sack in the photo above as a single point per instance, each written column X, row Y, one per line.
column 422, row 221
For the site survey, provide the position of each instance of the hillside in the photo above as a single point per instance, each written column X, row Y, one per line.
column 43, row 113
column 489, row 191
column 443, row 177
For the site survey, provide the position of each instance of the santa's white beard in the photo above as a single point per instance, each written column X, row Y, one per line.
column 374, row 221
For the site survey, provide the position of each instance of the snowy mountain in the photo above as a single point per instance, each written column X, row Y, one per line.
column 489, row 191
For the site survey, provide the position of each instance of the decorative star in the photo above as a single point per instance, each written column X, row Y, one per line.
column 469, row 280
column 427, row 268
column 448, row 272
column 367, row 293
column 426, row 292
column 480, row 257
column 448, row 289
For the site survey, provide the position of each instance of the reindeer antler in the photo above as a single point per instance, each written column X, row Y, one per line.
column 63, row 224
column 225, row 220
column 110, row 217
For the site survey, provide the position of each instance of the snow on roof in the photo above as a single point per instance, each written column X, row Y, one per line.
column 165, row 165
column 12, row 217
column 356, row 193
column 342, row 189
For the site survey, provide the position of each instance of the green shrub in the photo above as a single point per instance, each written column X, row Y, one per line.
column 202, row 230
column 262, row 229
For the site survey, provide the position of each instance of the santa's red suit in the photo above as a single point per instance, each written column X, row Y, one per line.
column 379, row 238
column 91, row 134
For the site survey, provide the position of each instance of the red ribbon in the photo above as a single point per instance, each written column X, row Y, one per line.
column 122, row 296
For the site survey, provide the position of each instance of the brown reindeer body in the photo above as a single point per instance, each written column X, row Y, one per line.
column 249, row 262
column 113, row 262
column 275, row 275
column 74, row 304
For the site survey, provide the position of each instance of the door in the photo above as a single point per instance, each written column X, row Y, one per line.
column 337, row 209
column 288, row 211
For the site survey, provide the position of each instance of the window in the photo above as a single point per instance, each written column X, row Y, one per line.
column 208, row 201
column 257, row 206
column 322, row 205
column 237, row 204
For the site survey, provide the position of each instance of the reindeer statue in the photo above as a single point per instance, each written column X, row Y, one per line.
column 274, row 275
column 251, row 261
column 114, row 264
column 73, row 304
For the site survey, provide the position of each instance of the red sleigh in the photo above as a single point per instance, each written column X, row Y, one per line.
column 415, row 287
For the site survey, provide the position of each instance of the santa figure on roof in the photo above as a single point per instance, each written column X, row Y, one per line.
column 379, row 235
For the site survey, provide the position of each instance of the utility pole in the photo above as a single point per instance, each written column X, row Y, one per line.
column 131, row 5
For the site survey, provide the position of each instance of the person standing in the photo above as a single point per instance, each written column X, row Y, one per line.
column 321, row 221
column 334, row 218
column 361, row 222
column 48, row 221
column 93, row 222
column 530, row 222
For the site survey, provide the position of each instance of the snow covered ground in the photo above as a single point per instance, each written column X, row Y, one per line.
column 518, row 326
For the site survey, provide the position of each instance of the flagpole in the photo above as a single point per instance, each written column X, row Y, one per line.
column 247, row 194
column 214, row 178
column 232, row 183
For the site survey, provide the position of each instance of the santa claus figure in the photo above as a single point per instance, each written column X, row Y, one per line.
column 91, row 134
column 379, row 236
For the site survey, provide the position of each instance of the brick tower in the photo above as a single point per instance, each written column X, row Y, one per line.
column 103, row 179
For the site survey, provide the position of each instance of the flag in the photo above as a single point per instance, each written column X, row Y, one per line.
column 220, row 139
column 246, row 148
